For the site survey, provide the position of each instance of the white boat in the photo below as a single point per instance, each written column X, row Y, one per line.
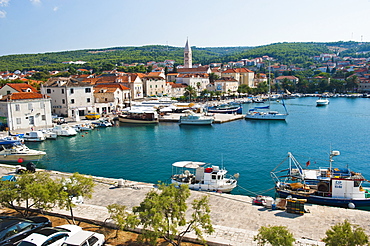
column 140, row 115
column 17, row 152
column 64, row 131
column 257, row 114
column 83, row 127
column 191, row 118
column 203, row 177
column 102, row 123
column 264, row 113
column 34, row 136
column 48, row 134
column 322, row 101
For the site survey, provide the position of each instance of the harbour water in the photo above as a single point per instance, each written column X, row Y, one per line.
column 251, row 148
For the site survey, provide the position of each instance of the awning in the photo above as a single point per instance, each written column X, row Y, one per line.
column 188, row 164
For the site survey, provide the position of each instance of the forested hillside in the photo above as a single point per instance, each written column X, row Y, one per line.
column 284, row 53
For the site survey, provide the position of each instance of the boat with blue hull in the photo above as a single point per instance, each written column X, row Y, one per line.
column 226, row 109
column 330, row 186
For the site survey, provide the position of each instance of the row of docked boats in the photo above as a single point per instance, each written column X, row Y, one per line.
column 332, row 186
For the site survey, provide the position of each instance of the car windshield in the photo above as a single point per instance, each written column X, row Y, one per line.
column 26, row 244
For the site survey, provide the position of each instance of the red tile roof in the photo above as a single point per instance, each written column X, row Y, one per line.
column 22, row 96
column 21, row 87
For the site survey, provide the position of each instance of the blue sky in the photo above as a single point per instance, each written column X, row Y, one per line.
column 39, row 26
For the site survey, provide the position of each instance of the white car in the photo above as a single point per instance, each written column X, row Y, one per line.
column 85, row 238
column 50, row 236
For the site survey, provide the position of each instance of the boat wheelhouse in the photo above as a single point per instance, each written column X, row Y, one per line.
column 202, row 176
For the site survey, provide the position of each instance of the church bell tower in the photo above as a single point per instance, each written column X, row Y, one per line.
column 188, row 62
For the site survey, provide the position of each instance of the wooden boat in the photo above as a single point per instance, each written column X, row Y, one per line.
column 140, row 115
column 331, row 186
column 202, row 176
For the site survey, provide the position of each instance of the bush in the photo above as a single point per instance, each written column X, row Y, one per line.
column 275, row 235
column 345, row 234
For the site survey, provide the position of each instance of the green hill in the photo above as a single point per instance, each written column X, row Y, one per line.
column 284, row 53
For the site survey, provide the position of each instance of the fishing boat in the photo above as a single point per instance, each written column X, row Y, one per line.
column 17, row 152
column 226, row 109
column 202, row 176
column 331, row 186
column 191, row 118
column 48, row 134
column 322, row 101
column 140, row 115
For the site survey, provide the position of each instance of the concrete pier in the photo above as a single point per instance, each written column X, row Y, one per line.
column 235, row 219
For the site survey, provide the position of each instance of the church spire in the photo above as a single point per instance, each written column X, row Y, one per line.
column 188, row 63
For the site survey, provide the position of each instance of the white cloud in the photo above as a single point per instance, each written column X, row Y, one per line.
column 35, row 1
column 4, row 3
column 2, row 14
column 55, row 8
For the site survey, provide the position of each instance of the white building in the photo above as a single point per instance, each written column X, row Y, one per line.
column 69, row 96
column 25, row 110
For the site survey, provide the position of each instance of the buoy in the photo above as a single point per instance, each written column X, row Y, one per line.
column 351, row 205
column 82, row 135
column 20, row 160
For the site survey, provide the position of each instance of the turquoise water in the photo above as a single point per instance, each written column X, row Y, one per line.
column 251, row 148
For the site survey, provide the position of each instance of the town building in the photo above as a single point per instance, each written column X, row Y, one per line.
column 70, row 97
column 25, row 110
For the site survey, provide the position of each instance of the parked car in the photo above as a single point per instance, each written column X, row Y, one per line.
column 58, row 120
column 85, row 238
column 92, row 116
column 50, row 236
column 13, row 229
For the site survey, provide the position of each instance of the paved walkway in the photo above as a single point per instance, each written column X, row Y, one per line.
column 235, row 219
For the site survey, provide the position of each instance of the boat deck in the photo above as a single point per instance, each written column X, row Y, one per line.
column 219, row 118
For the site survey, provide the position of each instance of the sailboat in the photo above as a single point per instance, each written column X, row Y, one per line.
column 264, row 113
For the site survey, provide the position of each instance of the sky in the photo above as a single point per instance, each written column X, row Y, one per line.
column 39, row 26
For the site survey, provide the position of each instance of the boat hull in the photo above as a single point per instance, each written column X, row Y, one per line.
column 207, row 187
column 136, row 121
column 19, row 158
column 236, row 110
column 329, row 201
column 258, row 116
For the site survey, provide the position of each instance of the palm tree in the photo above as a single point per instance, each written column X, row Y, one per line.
column 190, row 92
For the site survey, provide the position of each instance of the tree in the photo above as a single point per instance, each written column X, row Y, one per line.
column 75, row 186
column 31, row 191
column 275, row 235
column 162, row 213
column 122, row 218
column 345, row 234
column 190, row 92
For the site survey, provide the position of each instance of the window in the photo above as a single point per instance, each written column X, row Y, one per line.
column 87, row 90
column 42, row 105
column 17, row 107
column 43, row 117
column 92, row 240
column 8, row 92
column 63, row 101
column 18, row 120
column 48, row 91
column 30, row 107
column 72, row 91
column 72, row 101
column 62, row 91
column 88, row 99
